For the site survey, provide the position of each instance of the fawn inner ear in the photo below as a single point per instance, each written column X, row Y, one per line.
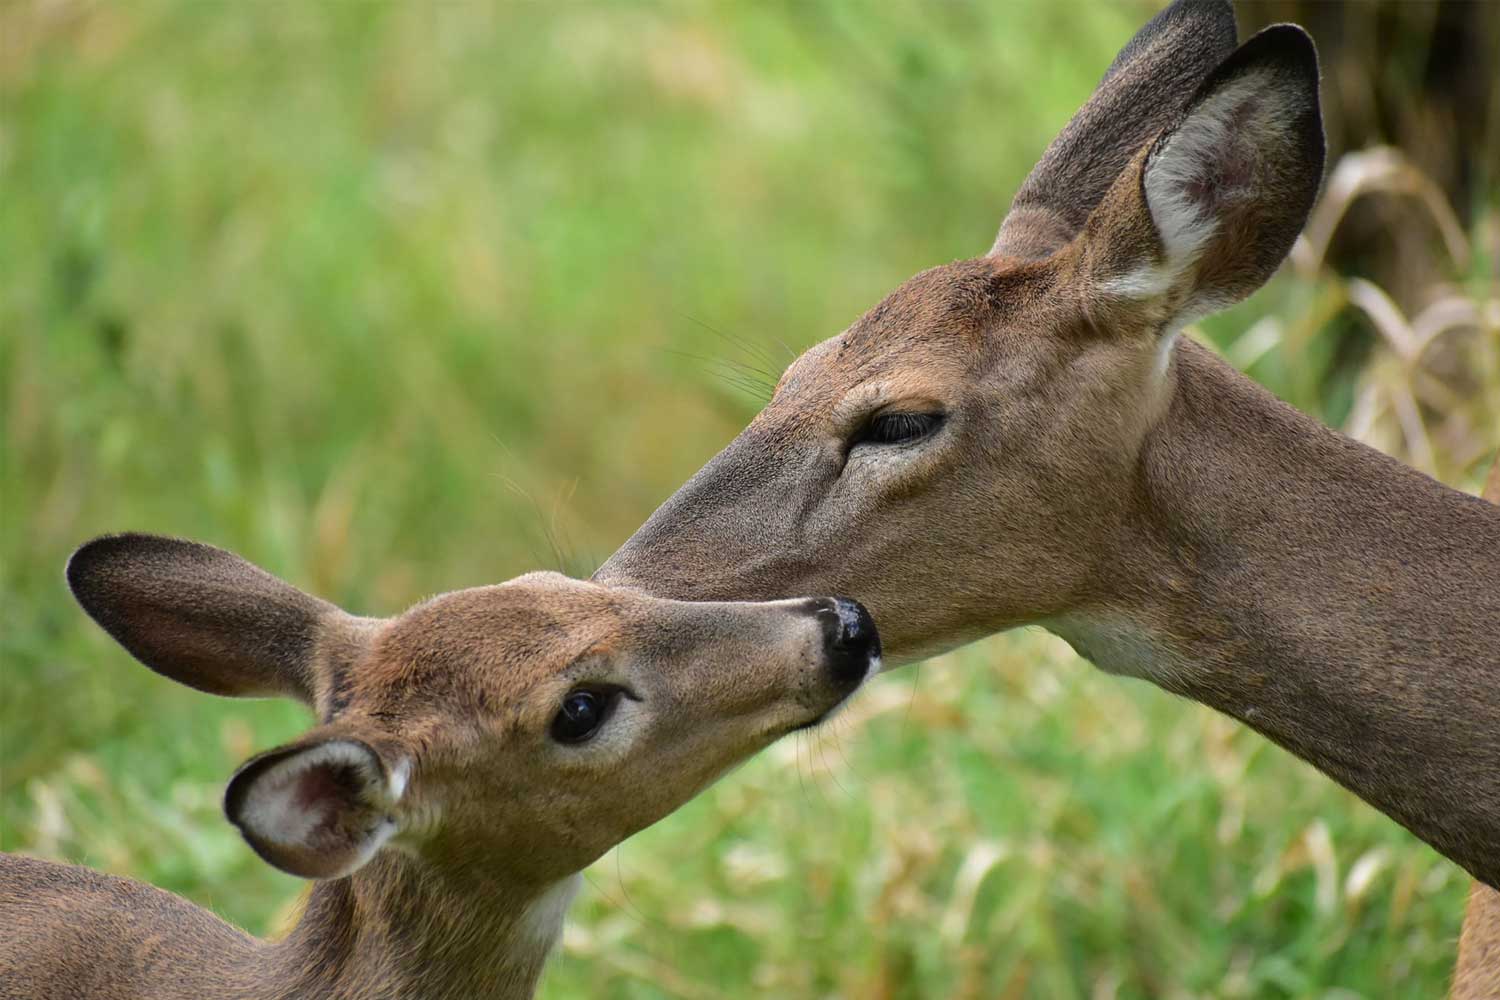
column 317, row 809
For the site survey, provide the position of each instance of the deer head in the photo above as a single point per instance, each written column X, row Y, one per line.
column 965, row 457
column 521, row 729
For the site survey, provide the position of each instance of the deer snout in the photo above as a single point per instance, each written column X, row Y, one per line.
column 850, row 639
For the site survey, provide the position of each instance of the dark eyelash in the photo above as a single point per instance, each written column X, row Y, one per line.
column 899, row 428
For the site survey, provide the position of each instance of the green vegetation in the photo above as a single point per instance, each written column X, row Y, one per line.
column 397, row 299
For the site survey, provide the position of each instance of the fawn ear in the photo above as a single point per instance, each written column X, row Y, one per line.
column 205, row 617
column 317, row 808
column 1212, row 206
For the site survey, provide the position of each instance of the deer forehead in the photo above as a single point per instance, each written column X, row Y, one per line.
column 931, row 326
column 931, row 337
column 489, row 646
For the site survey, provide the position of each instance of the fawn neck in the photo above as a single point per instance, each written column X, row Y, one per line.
column 1337, row 601
column 398, row 928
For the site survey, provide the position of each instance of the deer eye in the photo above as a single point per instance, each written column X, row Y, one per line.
column 582, row 712
column 899, row 428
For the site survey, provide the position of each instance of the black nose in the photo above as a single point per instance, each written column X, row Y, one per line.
column 851, row 638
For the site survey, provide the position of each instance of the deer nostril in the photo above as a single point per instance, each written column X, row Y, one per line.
column 852, row 640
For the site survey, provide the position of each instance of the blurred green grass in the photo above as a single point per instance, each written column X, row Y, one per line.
column 399, row 298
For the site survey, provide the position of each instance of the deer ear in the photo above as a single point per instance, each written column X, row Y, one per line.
column 318, row 808
column 1142, row 93
column 205, row 617
column 1214, row 203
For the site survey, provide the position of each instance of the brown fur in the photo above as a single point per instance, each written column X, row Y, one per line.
column 450, row 706
column 1133, row 493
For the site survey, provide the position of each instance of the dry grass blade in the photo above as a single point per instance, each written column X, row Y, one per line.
column 1385, row 316
column 1381, row 169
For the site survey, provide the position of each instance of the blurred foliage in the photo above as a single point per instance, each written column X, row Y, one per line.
column 1420, row 76
column 401, row 298
column 1411, row 90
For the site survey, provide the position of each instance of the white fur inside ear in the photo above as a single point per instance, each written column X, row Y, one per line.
column 1144, row 283
column 396, row 781
column 1209, row 164
column 332, row 799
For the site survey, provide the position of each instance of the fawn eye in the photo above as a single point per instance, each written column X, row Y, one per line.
column 582, row 712
column 899, row 428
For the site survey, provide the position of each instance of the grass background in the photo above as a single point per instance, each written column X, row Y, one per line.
column 395, row 299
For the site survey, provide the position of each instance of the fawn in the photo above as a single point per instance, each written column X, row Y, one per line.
column 472, row 756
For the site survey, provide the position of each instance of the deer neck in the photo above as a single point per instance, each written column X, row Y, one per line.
column 1342, row 604
column 401, row 929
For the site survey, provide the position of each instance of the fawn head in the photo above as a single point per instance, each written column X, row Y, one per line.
column 526, row 727
column 962, row 458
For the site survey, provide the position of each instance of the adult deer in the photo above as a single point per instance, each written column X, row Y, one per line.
column 474, row 754
column 1024, row 438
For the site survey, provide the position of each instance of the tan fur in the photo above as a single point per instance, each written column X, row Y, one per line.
column 1129, row 490
column 450, row 705
column 1477, row 975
